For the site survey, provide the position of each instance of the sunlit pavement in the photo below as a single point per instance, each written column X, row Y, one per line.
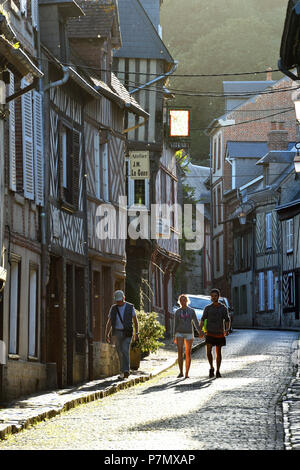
column 242, row 410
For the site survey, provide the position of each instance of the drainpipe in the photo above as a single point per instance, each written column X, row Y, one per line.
column 61, row 81
column 157, row 79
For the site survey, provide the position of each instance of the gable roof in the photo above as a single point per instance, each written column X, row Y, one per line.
column 277, row 156
column 101, row 17
column 140, row 40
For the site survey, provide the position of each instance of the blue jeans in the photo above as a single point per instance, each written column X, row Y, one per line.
column 123, row 349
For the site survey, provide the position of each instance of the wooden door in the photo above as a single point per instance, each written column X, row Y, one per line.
column 107, row 297
column 55, row 317
column 70, row 321
column 96, row 305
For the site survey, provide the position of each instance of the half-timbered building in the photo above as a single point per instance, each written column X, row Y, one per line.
column 289, row 218
column 143, row 63
column 85, row 108
column 105, row 165
column 21, row 200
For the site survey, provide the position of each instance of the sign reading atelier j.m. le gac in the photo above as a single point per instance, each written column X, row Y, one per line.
column 139, row 165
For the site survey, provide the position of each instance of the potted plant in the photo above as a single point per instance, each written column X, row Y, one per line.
column 150, row 332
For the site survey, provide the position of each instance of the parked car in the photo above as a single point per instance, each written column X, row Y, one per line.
column 197, row 302
column 225, row 301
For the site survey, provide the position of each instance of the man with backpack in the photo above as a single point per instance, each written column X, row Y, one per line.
column 120, row 322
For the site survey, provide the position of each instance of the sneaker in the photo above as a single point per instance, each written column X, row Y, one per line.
column 121, row 376
column 211, row 373
column 218, row 375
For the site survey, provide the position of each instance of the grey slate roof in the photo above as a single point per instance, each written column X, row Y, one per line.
column 237, row 87
column 195, row 178
column 100, row 17
column 277, row 156
column 246, row 149
column 140, row 39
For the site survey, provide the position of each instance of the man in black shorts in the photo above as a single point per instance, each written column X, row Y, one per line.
column 217, row 327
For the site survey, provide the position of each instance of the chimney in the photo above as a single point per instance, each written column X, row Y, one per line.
column 278, row 137
column 269, row 74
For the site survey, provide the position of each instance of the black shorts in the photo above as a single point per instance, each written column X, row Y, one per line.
column 215, row 341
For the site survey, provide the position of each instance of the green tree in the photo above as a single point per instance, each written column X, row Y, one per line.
column 217, row 37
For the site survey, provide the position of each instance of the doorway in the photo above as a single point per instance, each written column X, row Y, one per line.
column 55, row 317
column 297, row 294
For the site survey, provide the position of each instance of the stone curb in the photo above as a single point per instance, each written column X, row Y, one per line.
column 39, row 412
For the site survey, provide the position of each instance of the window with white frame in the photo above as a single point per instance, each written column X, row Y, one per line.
column 33, row 313
column 261, row 291
column 289, row 235
column 137, row 190
column 269, row 230
column 14, row 307
column 270, row 290
column 97, row 164
column 30, row 155
column 105, row 170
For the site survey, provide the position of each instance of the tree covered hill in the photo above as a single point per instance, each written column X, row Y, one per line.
column 217, row 37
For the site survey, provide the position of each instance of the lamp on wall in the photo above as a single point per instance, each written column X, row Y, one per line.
column 242, row 217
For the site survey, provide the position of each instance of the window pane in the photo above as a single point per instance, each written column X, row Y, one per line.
column 139, row 192
column 14, row 308
column 32, row 312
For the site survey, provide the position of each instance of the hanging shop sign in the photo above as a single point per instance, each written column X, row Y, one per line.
column 139, row 165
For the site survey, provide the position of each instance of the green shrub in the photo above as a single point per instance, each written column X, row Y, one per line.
column 150, row 332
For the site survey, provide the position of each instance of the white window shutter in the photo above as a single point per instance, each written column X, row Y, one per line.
column 34, row 13
column 269, row 230
column 38, row 147
column 27, row 136
column 97, row 162
column 23, row 6
column 105, row 171
column 12, row 136
column 261, row 291
column 270, row 291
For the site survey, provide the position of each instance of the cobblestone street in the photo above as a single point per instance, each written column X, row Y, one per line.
column 242, row 410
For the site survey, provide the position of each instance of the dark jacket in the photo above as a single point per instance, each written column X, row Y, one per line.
column 127, row 317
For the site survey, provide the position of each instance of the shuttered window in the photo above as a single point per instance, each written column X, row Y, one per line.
column 261, row 292
column 12, row 135
column 97, row 164
column 269, row 230
column 23, row 6
column 270, row 291
column 289, row 235
column 34, row 13
column 104, row 157
column 27, row 138
column 38, row 146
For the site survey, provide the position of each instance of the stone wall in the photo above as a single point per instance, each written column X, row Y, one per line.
column 23, row 378
column 105, row 360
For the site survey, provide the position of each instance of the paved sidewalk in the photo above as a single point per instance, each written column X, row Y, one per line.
column 25, row 412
